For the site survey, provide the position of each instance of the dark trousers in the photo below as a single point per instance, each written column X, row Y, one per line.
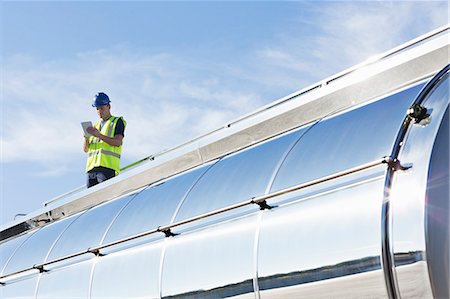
column 99, row 174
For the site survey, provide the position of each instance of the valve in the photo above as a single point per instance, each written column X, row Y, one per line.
column 419, row 114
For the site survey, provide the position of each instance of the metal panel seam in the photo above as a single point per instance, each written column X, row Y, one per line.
column 255, row 254
column 283, row 158
column 161, row 267
column 118, row 213
column 13, row 253
column 177, row 209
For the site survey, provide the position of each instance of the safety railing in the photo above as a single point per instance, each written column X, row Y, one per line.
column 261, row 201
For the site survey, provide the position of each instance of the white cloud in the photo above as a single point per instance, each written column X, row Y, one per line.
column 344, row 33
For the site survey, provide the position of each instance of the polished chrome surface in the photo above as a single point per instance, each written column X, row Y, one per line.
column 237, row 177
column 437, row 220
column 23, row 289
column 35, row 249
column 159, row 200
column 408, row 201
column 87, row 230
column 346, row 140
column 8, row 248
column 66, row 282
column 129, row 273
column 214, row 262
column 324, row 245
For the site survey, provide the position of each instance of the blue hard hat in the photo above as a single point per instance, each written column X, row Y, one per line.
column 101, row 99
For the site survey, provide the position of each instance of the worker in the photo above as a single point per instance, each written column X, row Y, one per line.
column 105, row 145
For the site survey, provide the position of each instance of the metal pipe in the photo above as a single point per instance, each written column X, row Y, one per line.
column 18, row 272
column 385, row 160
column 137, row 236
column 205, row 215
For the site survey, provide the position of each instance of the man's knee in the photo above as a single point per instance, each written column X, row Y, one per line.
column 95, row 177
column 91, row 179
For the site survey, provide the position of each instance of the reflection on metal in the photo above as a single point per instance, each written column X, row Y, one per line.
column 408, row 258
column 15, row 230
column 437, row 212
column 230, row 290
column 325, row 232
column 166, row 229
column 363, row 265
column 416, row 113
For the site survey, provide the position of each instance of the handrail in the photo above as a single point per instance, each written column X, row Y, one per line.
column 260, row 201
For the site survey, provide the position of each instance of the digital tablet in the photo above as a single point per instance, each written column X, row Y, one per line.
column 85, row 125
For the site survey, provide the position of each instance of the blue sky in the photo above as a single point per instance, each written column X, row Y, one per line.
column 174, row 70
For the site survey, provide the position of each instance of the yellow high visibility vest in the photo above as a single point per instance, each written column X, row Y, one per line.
column 101, row 153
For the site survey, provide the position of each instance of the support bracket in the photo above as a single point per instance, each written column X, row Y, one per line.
column 96, row 252
column 419, row 114
column 168, row 233
column 263, row 205
column 396, row 165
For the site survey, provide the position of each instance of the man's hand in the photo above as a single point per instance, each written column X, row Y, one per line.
column 114, row 141
column 93, row 131
column 85, row 144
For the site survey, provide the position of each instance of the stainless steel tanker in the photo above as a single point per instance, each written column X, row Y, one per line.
column 340, row 190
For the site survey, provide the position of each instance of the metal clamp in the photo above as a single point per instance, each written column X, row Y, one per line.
column 96, row 252
column 419, row 114
column 263, row 205
column 40, row 268
column 396, row 165
column 167, row 232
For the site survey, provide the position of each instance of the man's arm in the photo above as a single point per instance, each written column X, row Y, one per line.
column 114, row 141
column 85, row 144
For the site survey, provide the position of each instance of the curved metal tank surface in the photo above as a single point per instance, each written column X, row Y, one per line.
column 324, row 241
column 412, row 214
column 437, row 213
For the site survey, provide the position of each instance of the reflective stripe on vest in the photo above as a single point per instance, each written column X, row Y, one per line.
column 101, row 153
column 104, row 152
